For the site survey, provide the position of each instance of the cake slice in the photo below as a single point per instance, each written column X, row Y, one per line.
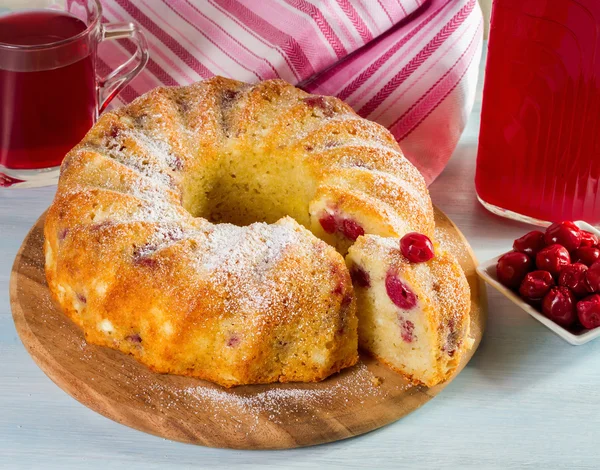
column 413, row 317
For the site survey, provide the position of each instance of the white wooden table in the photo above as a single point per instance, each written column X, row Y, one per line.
column 526, row 399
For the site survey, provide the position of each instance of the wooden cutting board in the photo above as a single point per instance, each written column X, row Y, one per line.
column 355, row 401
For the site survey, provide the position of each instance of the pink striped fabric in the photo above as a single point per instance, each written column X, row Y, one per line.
column 410, row 65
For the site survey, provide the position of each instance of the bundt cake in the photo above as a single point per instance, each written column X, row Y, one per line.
column 180, row 234
column 414, row 317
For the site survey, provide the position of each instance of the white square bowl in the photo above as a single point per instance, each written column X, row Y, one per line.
column 487, row 271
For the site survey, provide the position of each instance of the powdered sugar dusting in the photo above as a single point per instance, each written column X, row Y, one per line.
column 244, row 257
column 158, row 207
column 160, row 149
column 309, row 128
column 153, row 159
column 279, row 403
column 452, row 244
column 163, row 236
column 397, row 188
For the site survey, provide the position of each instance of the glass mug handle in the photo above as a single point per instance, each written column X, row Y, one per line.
column 114, row 82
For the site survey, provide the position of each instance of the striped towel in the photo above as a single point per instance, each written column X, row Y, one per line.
column 410, row 65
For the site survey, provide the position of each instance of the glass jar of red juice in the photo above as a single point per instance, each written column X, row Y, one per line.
column 539, row 146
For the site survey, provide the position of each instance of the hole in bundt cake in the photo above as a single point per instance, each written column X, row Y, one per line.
column 255, row 188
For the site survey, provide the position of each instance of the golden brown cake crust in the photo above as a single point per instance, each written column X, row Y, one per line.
column 152, row 246
column 130, row 264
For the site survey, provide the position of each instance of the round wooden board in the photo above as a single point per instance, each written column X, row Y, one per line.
column 355, row 401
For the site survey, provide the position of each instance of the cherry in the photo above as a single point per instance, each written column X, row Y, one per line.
column 233, row 341
column 315, row 101
column 552, row 258
column 63, row 234
column 587, row 255
column 351, row 229
column 146, row 261
column 416, row 247
column 588, row 239
column 536, row 285
column 328, row 223
column 573, row 277
column 559, row 305
column 588, row 311
column 530, row 243
column 360, row 276
column 398, row 292
column 512, row 268
column 592, row 277
column 407, row 330
column 566, row 234
column 135, row 338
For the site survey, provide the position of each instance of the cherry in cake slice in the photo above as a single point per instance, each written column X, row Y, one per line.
column 414, row 317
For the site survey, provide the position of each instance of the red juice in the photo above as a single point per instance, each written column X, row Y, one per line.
column 44, row 113
column 539, row 144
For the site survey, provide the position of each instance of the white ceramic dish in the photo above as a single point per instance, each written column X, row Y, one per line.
column 487, row 271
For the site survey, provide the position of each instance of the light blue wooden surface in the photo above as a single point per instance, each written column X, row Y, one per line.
column 527, row 398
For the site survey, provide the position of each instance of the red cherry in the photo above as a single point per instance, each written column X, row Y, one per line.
column 416, row 247
column 536, row 285
column 233, row 341
column 512, row 268
column 588, row 311
column 552, row 258
column 407, row 330
column 360, row 276
column 530, row 243
column 135, row 338
column 588, row 239
column 559, row 305
column 328, row 223
column 587, row 255
column 566, row 234
column 573, row 277
column 592, row 277
column 351, row 229
column 399, row 292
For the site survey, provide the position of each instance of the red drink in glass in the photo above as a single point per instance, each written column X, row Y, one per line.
column 50, row 94
column 44, row 113
column 539, row 145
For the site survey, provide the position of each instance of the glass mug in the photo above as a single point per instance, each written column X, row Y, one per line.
column 539, row 146
column 50, row 94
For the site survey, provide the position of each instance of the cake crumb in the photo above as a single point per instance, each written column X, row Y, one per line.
column 376, row 381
